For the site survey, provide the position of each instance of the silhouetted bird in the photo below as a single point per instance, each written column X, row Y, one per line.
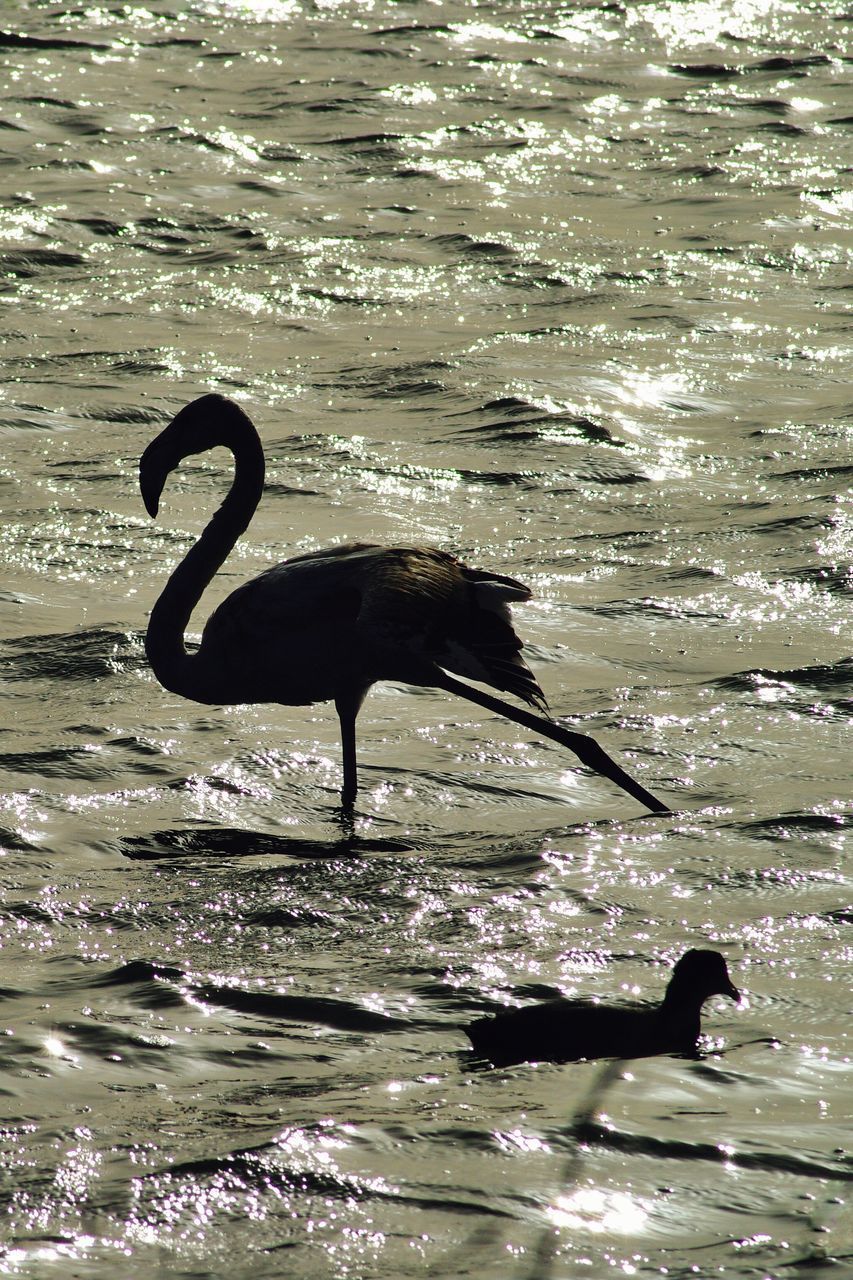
column 566, row 1030
column 329, row 624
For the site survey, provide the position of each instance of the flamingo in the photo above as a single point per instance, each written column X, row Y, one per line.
column 331, row 623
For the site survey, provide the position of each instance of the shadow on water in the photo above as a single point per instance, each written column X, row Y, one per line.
column 92, row 653
column 233, row 842
column 164, row 986
column 270, row 1167
column 469, row 849
column 819, row 676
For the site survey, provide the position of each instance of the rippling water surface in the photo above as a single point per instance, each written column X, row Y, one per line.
column 564, row 289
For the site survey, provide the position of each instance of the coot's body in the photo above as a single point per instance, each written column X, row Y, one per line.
column 567, row 1030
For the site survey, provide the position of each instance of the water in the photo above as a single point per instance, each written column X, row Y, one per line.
column 560, row 288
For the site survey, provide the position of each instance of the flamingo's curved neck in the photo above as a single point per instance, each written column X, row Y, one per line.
column 179, row 671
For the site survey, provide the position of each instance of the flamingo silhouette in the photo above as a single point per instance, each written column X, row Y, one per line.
column 329, row 624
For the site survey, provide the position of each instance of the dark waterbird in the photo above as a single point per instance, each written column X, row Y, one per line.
column 329, row 624
column 567, row 1030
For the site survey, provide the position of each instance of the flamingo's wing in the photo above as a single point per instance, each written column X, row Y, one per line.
column 431, row 606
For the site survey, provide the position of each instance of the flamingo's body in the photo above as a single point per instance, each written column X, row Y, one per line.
column 329, row 624
column 342, row 618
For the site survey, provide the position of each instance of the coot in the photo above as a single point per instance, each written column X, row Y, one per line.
column 566, row 1030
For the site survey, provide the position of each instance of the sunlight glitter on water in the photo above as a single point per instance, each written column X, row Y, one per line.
column 704, row 21
column 604, row 297
column 258, row 10
column 596, row 1210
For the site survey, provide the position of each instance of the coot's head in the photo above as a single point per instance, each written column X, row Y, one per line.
column 699, row 974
